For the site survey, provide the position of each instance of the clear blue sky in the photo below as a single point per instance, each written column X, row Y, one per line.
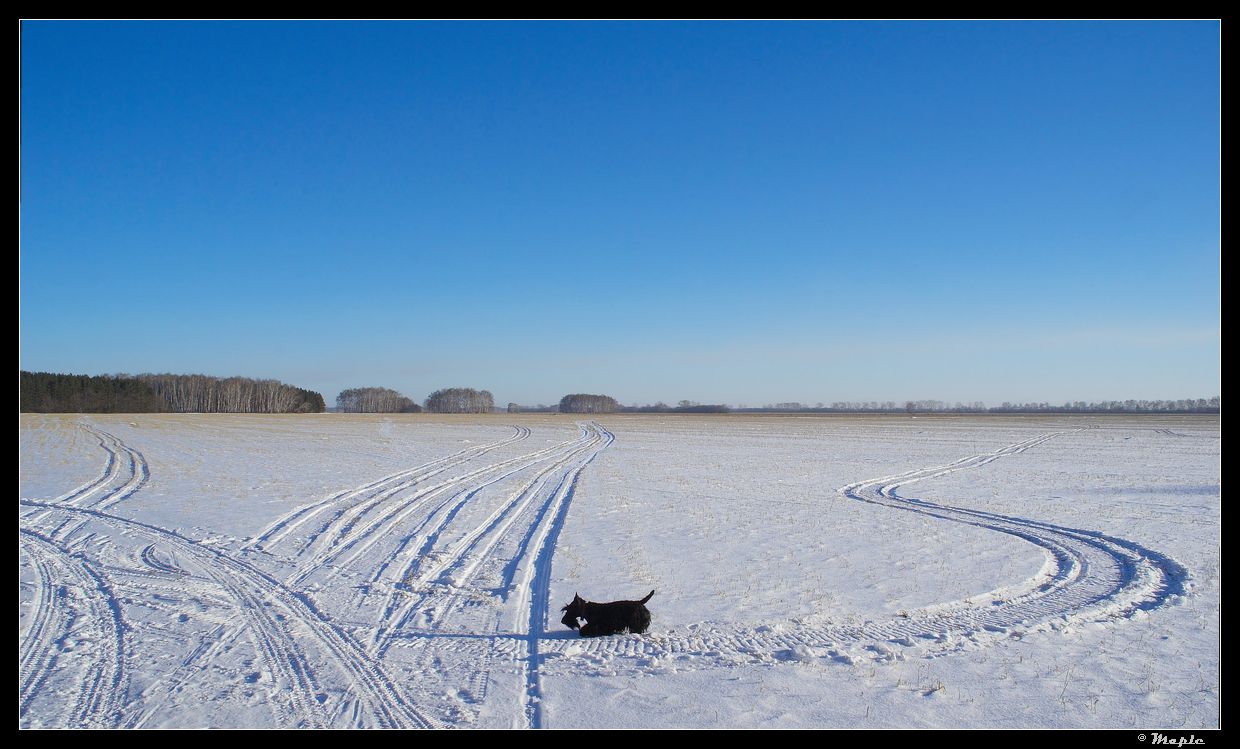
column 735, row 212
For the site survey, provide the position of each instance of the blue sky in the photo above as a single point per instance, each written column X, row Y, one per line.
column 735, row 212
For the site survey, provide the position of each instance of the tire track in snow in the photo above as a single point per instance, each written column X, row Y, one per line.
column 1087, row 576
column 106, row 474
column 101, row 691
column 536, row 510
column 534, row 589
column 418, row 547
column 252, row 589
column 277, row 647
column 475, row 548
column 133, row 463
column 103, row 686
column 356, row 541
column 286, row 524
column 110, row 472
column 208, row 648
column 461, row 486
column 1170, row 433
column 149, row 559
column 124, row 465
column 47, row 621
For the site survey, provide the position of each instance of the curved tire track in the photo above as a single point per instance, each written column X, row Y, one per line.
column 354, row 541
column 1092, row 576
column 106, row 474
column 150, row 560
column 1087, row 576
column 104, row 683
column 47, row 621
column 386, row 486
column 252, row 589
column 124, row 465
column 535, row 511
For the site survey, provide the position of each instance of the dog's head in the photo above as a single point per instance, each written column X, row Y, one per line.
column 573, row 612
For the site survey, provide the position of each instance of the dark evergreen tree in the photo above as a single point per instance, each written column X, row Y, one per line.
column 46, row 392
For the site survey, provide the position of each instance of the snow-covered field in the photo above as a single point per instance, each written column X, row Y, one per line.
column 408, row 571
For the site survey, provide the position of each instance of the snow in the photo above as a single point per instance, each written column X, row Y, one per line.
column 408, row 571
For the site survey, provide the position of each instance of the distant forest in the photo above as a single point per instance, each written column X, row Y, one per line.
column 580, row 403
column 46, row 392
column 460, row 401
column 605, row 404
column 1182, row 406
column 375, row 400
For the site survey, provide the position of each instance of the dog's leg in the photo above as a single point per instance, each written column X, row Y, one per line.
column 602, row 626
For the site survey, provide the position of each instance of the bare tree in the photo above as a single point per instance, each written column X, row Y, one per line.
column 460, row 401
column 581, row 403
column 373, row 400
column 204, row 394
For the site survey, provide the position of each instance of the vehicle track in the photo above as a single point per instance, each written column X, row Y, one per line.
column 103, row 685
column 1088, row 576
column 286, row 524
column 1092, row 576
column 1170, row 433
column 253, row 591
column 208, row 648
column 534, row 588
column 149, row 559
column 417, row 549
column 461, row 562
column 101, row 690
column 535, row 510
column 356, row 539
column 48, row 621
column 136, row 470
column 108, row 472
column 126, row 471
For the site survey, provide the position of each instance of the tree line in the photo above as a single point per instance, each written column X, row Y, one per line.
column 1184, row 406
column 581, row 403
column 207, row 394
column 444, row 401
column 373, row 400
column 460, row 401
column 683, row 407
column 578, row 403
column 46, row 392
column 1181, row 406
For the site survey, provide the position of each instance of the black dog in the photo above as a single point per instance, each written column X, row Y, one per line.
column 612, row 618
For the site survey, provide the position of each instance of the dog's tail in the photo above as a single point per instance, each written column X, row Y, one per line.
column 647, row 598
